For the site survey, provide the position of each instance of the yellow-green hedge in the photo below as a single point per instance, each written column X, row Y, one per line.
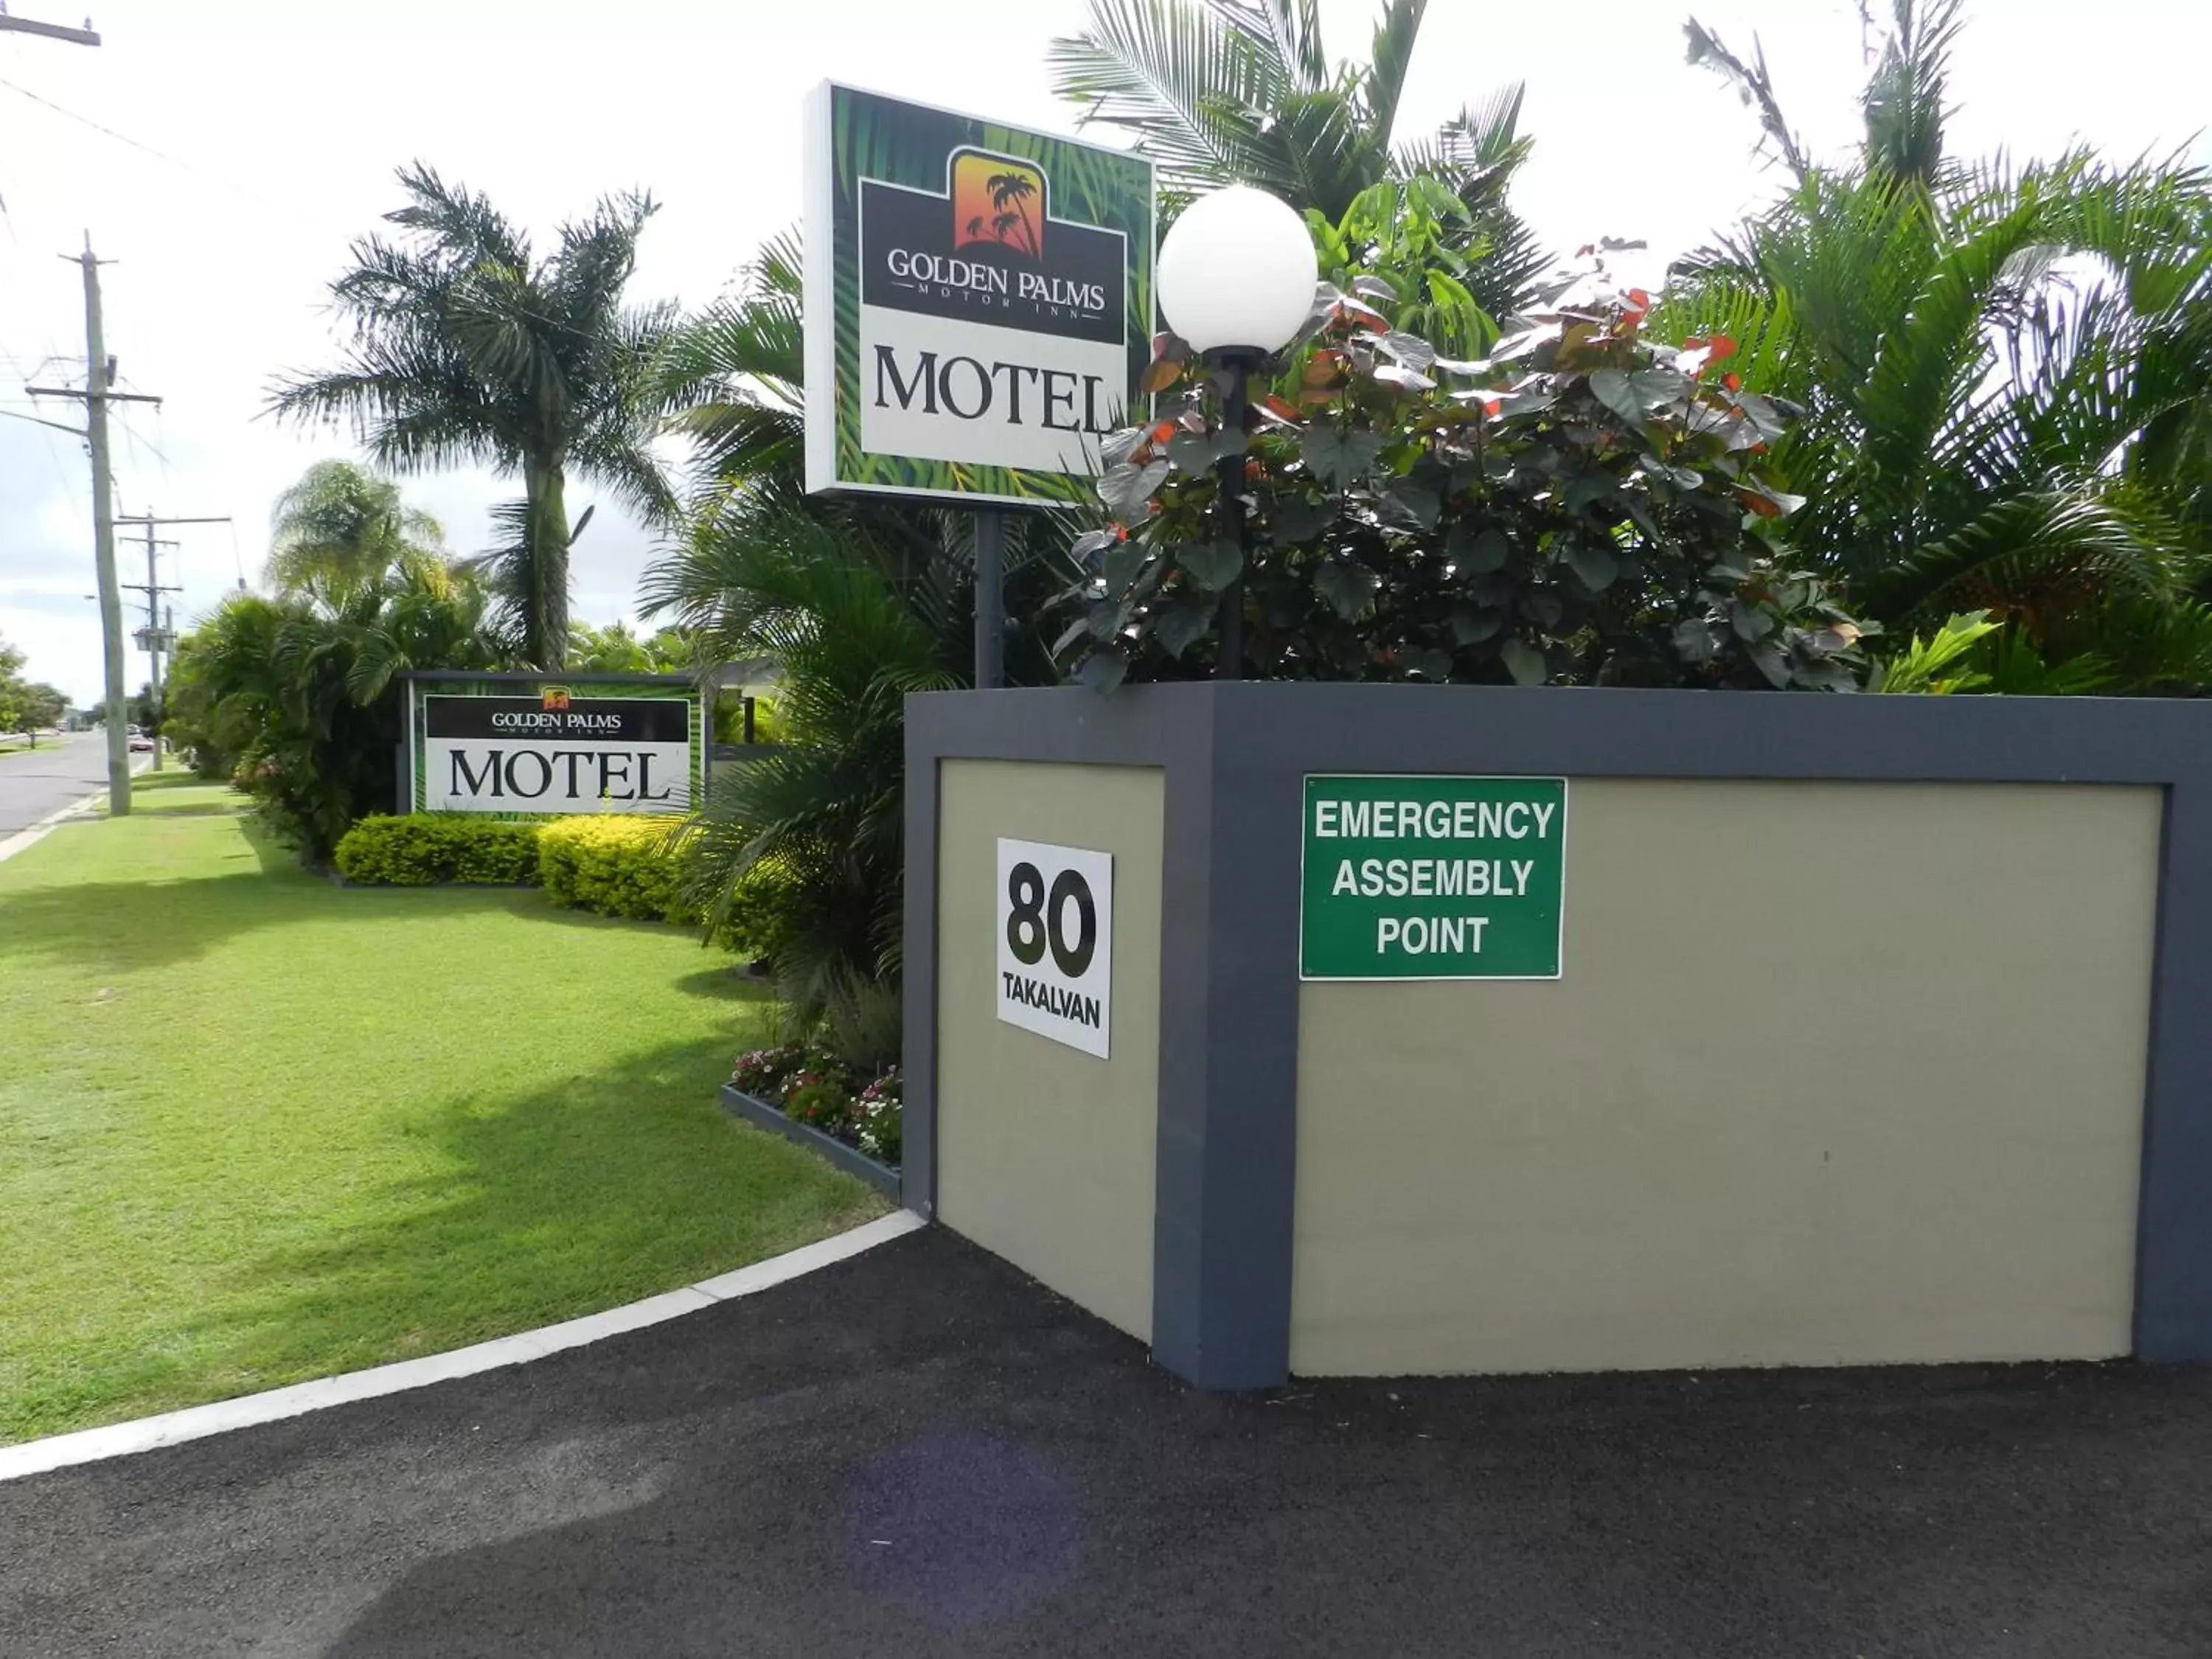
column 417, row 850
column 618, row 866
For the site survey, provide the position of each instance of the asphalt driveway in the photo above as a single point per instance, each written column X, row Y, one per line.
column 921, row 1452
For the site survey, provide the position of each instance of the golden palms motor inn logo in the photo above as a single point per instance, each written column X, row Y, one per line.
column 998, row 202
column 992, row 332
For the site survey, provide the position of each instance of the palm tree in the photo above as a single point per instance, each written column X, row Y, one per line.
column 733, row 384
column 857, row 602
column 466, row 348
column 1224, row 92
column 820, row 815
column 340, row 527
column 2001, row 371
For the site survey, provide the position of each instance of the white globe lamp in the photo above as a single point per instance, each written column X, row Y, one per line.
column 1236, row 278
column 1238, row 274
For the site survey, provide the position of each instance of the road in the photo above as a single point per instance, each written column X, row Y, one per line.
column 59, row 770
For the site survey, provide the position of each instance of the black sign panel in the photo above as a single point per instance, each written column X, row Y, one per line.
column 624, row 720
column 914, row 256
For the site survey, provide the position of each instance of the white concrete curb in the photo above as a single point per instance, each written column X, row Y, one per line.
column 120, row 1439
column 46, row 826
column 52, row 821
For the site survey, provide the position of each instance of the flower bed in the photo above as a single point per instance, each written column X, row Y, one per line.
column 819, row 1091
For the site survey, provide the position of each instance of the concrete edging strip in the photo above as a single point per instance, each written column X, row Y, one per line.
column 25, row 839
column 84, row 806
column 196, row 1422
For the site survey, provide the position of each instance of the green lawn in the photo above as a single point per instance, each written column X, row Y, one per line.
column 255, row 1128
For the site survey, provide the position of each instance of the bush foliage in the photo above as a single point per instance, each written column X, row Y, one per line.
column 1580, row 506
column 617, row 864
column 417, row 850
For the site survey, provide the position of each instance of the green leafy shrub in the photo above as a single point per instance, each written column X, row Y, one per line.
column 1580, row 506
column 617, row 865
column 756, row 922
column 416, row 851
column 822, row 1103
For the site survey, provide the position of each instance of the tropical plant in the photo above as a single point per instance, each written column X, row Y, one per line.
column 298, row 699
column 733, row 383
column 1935, row 667
column 615, row 650
column 341, row 526
column 468, row 349
column 1580, row 507
column 822, row 812
column 1224, row 92
column 2002, row 368
column 796, row 855
column 1404, row 239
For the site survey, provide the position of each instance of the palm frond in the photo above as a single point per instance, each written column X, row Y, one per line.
column 1397, row 34
column 2027, row 559
column 1904, row 100
column 1754, row 86
column 340, row 528
column 1176, row 74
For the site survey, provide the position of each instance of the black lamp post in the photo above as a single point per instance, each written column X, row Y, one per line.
column 1236, row 277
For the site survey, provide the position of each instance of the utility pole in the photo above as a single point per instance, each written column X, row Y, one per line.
column 156, row 640
column 98, row 393
column 83, row 36
column 150, row 637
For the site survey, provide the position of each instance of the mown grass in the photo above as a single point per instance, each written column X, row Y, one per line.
column 255, row 1128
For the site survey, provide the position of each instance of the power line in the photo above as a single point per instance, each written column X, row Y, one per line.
column 86, row 120
column 74, row 432
column 197, row 171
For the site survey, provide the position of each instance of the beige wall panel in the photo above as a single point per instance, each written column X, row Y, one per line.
column 1045, row 1154
column 1837, row 1073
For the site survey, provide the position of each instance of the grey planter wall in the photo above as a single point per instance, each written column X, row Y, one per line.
column 853, row 1162
column 1226, row 1218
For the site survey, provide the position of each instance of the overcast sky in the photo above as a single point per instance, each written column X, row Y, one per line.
column 278, row 124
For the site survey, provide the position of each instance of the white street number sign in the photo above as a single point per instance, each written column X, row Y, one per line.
column 1056, row 942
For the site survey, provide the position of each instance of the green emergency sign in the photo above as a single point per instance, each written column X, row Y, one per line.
column 1432, row 878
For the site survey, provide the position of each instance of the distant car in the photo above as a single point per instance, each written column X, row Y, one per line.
column 139, row 740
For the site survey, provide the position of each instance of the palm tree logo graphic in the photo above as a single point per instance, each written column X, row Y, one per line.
column 1015, row 188
column 999, row 201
